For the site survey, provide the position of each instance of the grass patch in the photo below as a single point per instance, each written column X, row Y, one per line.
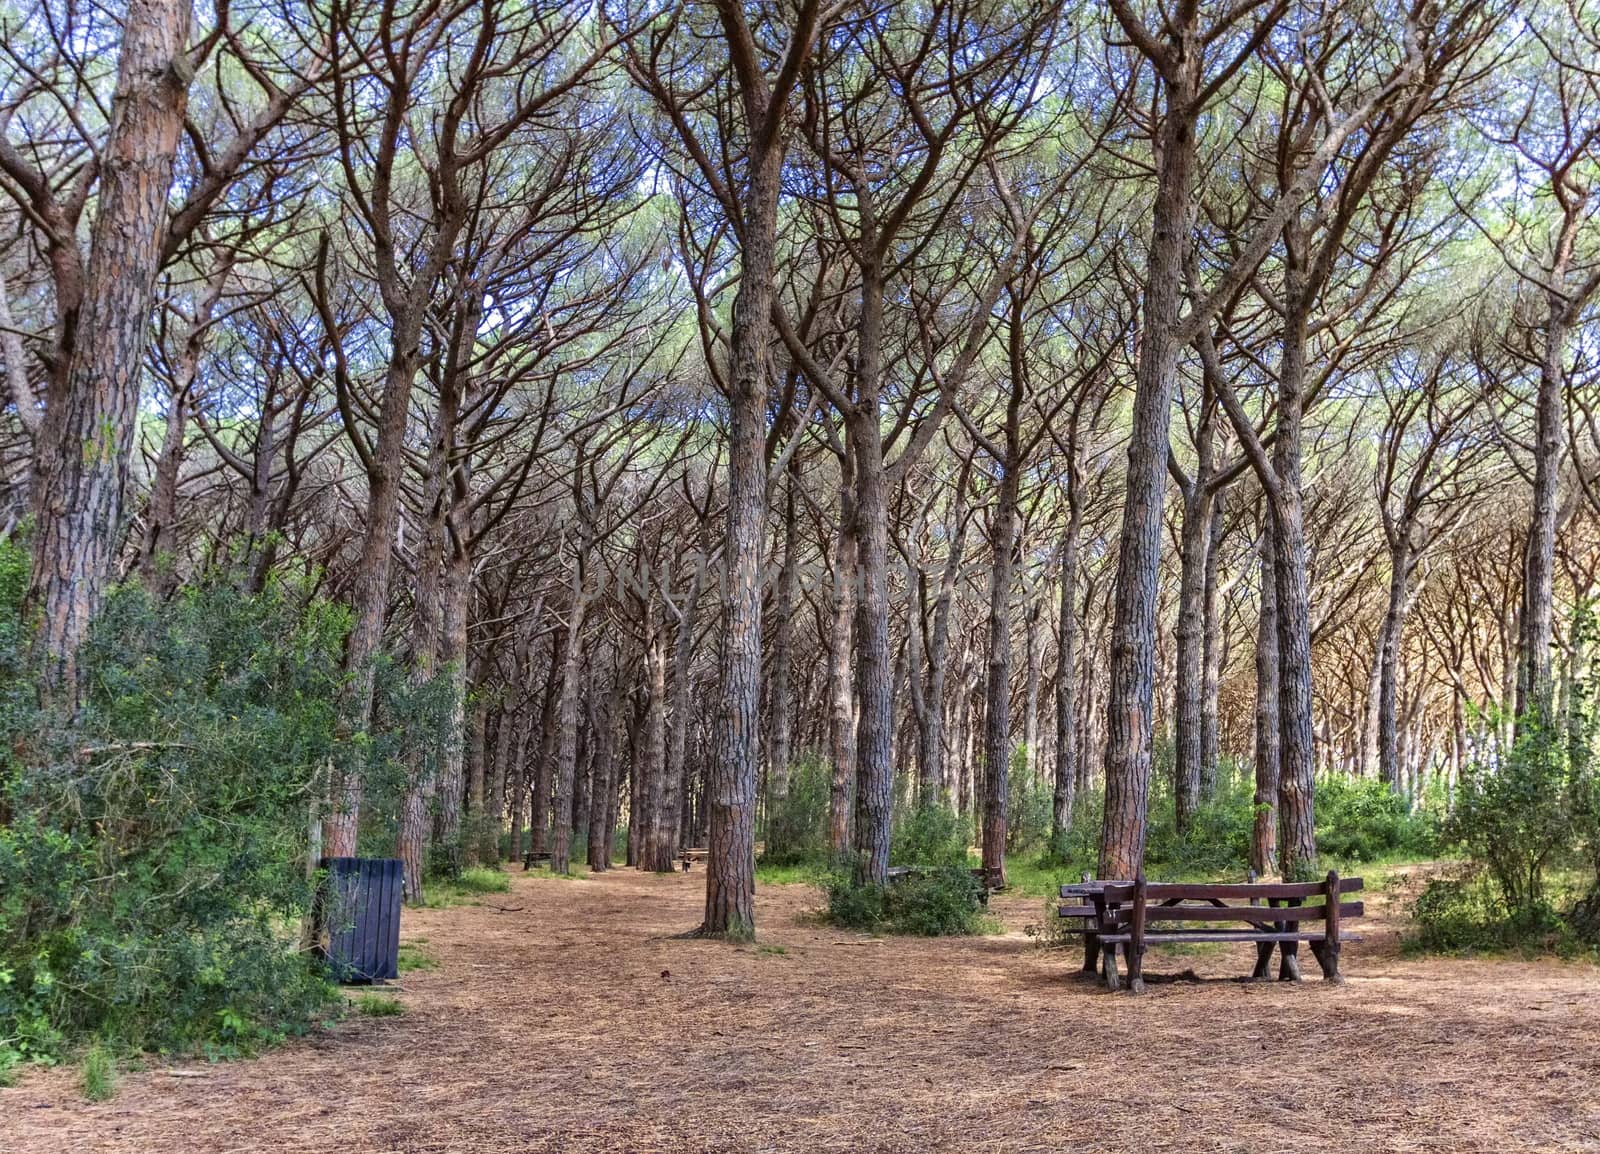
column 99, row 1074
column 414, row 957
column 482, row 880
column 776, row 951
column 808, row 873
column 380, row 1006
column 465, row 887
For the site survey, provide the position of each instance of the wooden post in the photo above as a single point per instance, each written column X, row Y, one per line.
column 1136, row 937
column 1110, row 952
column 1329, row 955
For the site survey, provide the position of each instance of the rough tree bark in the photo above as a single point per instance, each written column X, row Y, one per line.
column 1264, row 836
column 85, row 442
column 1064, row 794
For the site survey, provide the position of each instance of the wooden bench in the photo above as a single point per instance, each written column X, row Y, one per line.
column 689, row 857
column 1120, row 915
column 531, row 859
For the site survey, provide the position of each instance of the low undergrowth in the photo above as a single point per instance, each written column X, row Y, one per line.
column 943, row 902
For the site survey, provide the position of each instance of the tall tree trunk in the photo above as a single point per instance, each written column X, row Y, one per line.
column 1213, row 655
column 549, row 736
column 1190, row 639
column 521, row 771
column 874, row 807
column 1297, row 844
column 1538, row 565
column 1033, row 657
column 841, row 696
column 1133, row 631
column 427, row 646
column 731, row 788
column 158, row 545
column 498, row 785
column 83, row 452
column 997, row 696
column 1389, row 636
column 457, row 594
column 931, row 735
column 658, row 848
column 1264, row 837
column 566, row 767
column 676, row 803
column 780, row 695
column 603, row 796
column 1066, row 769
column 477, row 734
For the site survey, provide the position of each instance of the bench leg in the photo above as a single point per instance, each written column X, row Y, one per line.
column 1289, row 954
column 1110, row 954
column 1135, row 970
column 1289, row 962
column 1091, row 953
column 1263, row 970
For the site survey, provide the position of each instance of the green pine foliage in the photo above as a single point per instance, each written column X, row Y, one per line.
column 152, row 849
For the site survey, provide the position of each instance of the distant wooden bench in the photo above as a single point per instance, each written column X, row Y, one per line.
column 1119, row 916
column 531, row 859
column 689, row 857
column 987, row 883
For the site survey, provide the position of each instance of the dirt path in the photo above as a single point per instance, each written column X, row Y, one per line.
column 577, row 1023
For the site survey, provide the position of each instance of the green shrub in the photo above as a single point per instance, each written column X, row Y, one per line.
column 854, row 907
column 943, row 902
column 1465, row 914
column 796, row 829
column 1077, row 850
column 1361, row 820
column 1218, row 841
column 152, row 869
column 1030, row 797
column 927, row 836
column 1515, row 818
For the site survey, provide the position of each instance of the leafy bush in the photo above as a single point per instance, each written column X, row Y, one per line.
column 1218, row 841
column 797, row 823
column 152, row 868
column 854, row 907
column 1030, row 799
column 1078, row 849
column 943, row 902
column 1515, row 818
column 1464, row 914
column 930, row 835
column 1359, row 819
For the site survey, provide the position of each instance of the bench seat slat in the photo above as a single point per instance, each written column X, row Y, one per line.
column 1244, row 891
column 1315, row 913
column 1222, row 936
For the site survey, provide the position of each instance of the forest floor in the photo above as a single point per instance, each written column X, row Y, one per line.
column 565, row 1015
